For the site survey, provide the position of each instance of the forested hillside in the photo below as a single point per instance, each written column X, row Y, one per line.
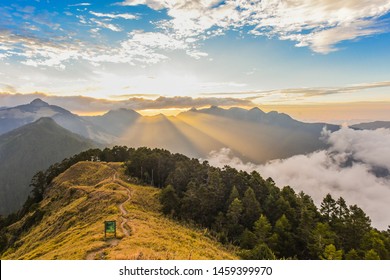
column 264, row 220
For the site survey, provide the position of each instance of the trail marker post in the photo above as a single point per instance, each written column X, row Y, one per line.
column 109, row 227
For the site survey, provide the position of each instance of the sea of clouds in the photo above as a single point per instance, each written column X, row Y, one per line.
column 356, row 166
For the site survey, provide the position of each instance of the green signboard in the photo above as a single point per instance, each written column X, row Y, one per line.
column 109, row 227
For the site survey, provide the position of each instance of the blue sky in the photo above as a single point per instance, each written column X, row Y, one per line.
column 268, row 52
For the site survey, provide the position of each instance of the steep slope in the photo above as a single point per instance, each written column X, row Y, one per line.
column 28, row 149
column 12, row 118
column 71, row 216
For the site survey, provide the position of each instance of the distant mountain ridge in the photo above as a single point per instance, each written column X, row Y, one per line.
column 12, row 118
column 253, row 135
column 29, row 149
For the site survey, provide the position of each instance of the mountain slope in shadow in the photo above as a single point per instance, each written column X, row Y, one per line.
column 29, row 149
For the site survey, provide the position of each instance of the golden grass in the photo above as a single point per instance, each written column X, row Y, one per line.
column 89, row 193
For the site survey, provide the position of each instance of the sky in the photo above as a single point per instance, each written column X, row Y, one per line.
column 316, row 60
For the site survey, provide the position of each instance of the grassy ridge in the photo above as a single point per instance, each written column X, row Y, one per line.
column 89, row 193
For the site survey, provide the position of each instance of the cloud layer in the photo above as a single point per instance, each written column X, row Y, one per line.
column 50, row 39
column 356, row 166
column 319, row 25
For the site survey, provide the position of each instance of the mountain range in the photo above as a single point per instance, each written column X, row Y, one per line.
column 12, row 118
column 35, row 135
column 252, row 134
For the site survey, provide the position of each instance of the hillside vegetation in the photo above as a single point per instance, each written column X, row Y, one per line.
column 71, row 200
column 68, row 222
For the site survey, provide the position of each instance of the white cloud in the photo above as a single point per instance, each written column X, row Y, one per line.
column 115, row 16
column 38, row 52
column 154, row 40
column 324, row 41
column 3, row 55
column 80, row 4
column 154, row 4
column 319, row 25
column 319, row 91
column 196, row 54
column 139, row 48
column 110, row 26
column 356, row 167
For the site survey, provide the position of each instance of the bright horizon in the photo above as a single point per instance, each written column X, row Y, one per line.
column 314, row 60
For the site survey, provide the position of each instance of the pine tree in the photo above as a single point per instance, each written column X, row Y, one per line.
column 262, row 229
column 328, row 208
column 233, row 195
column 233, row 217
column 357, row 225
column 321, row 237
column 282, row 238
column 260, row 252
column 330, row 253
column 248, row 239
column 352, row 255
column 371, row 255
column 251, row 208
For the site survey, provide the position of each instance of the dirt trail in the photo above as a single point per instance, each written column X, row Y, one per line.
column 99, row 253
column 124, row 213
column 123, row 225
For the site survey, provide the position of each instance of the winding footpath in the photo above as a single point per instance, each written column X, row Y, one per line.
column 125, row 231
column 99, row 253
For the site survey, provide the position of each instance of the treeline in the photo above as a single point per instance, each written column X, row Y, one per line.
column 244, row 209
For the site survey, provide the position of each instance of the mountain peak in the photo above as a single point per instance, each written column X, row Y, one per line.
column 122, row 112
column 39, row 103
column 256, row 109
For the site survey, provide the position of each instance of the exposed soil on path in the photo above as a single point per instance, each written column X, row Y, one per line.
column 112, row 242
